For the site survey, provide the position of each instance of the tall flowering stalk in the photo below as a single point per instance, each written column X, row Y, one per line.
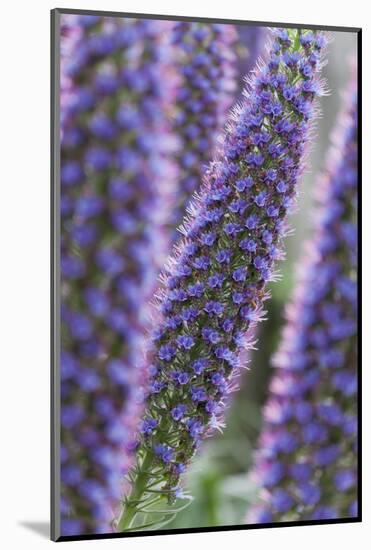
column 206, row 62
column 215, row 286
column 307, row 461
column 116, row 180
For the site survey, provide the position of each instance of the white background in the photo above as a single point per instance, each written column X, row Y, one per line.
column 24, row 270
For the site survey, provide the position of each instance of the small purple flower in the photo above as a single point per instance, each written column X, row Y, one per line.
column 228, row 325
column 237, row 298
column 195, row 428
column 324, row 512
column 202, row 262
column 189, row 313
column 255, row 159
column 344, row 480
column 166, row 352
column 179, row 468
column 310, row 494
column 218, row 379
column 71, row 173
column 198, row 394
column 238, row 206
column 216, row 281
column 208, row 239
column 214, row 308
column 181, row 378
column 196, row 289
column 165, row 453
column 156, row 386
column 261, row 198
column 185, row 342
column 199, row 365
column 244, row 183
column 98, row 158
column 282, row 501
column 178, row 412
column 281, row 186
column 110, row 261
column 211, row 335
column 239, row 274
column 248, row 244
column 272, row 211
column 148, row 425
column 259, row 262
column 223, row 256
column 252, row 221
column 232, row 228
column 301, row 471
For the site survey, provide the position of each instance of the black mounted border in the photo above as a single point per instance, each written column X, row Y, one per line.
column 55, row 275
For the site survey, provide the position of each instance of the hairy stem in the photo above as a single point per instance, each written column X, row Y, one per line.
column 130, row 505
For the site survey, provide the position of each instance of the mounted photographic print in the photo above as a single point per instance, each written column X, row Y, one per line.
column 205, row 222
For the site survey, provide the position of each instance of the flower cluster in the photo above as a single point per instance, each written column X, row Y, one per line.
column 215, row 286
column 307, row 460
column 116, row 188
column 206, row 63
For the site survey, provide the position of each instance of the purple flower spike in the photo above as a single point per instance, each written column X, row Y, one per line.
column 313, row 392
column 115, row 155
column 206, row 63
column 219, row 334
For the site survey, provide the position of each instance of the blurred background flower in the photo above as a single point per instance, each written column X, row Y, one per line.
column 206, row 62
column 306, row 465
column 117, row 189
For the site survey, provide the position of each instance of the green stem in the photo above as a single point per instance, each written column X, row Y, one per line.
column 130, row 506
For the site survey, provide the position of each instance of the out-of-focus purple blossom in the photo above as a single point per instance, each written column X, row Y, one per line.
column 250, row 46
column 206, row 62
column 224, row 322
column 116, row 186
column 313, row 393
